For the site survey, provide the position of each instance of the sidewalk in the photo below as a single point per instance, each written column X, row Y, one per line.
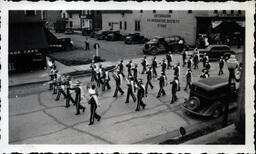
column 40, row 76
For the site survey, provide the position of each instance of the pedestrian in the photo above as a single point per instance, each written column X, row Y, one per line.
column 196, row 60
column 208, row 66
column 96, row 47
column 79, row 95
column 135, row 72
column 205, row 59
column 221, row 65
column 189, row 65
column 61, row 89
column 105, row 78
column 164, row 66
column 93, row 72
column 162, row 82
column 177, row 74
column 118, row 78
column 144, row 64
column 52, row 75
column 129, row 68
column 154, row 66
column 149, row 78
column 69, row 87
column 130, row 89
column 56, row 82
column 184, row 57
column 94, row 103
column 140, row 94
column 121, row 68
column 99, row 74
column 188, row 79
column 169, row 60
column 175, row 84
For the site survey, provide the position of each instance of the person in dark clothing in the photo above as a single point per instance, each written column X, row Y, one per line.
column 164, row 66
column 121, row 68
column 154, row 66
column 162, row 81
column 78, row 92
column 196, row 60
column 207, row 67
column 204, row 60
column 149, row 78
column 177, row 73
column 117, row 78
column 61, row 88
column 135, row 72
column 130, row 90
column 140, row 94
column 144, row 65
column 93, row 71
column 205, row 74
column 129, row 68
column 68, row 84
column 221, row 65
column 94, row 103
column 188, row 79
column 53, row 77
column 105, row 78
column 184, row 57
column 169, row 60
column 87, row 45
column 99, row 74
column 175, row 84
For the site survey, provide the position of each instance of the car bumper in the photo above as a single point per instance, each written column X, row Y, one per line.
column 198, row 113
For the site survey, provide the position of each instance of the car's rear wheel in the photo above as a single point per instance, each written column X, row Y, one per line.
column 193, row 103
column 154, row 51
column 217, row 112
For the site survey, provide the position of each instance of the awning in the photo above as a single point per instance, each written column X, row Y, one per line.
column 25, row 36
column 227, row 27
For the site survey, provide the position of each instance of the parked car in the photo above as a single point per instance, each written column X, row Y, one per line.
column 208, row 97
column 135, row 38
column 114, row 36
column 102, row 34
column 164, row 44
column 61, row 44
column 214, row 52
column 69, row 31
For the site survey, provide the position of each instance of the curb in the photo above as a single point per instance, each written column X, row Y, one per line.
column 75, row 74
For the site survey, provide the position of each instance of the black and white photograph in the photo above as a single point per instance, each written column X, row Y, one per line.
column 127, row 77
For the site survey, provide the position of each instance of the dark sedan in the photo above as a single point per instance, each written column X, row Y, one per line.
column 214, row 52
column 135, row 38
column 114, row 36
column 102, row 35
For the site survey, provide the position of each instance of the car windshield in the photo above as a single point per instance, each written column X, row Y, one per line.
column 154, row 39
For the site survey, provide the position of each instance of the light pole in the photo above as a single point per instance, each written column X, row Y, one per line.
column 231, row 64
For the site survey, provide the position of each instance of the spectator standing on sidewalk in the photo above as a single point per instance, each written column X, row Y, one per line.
column 162, row 82
column 87, row 44
column 117, row 77
column 94, row 103
column 140, row 94
column 96, row 47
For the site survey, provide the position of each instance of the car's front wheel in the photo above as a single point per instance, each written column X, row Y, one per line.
column 217, row 112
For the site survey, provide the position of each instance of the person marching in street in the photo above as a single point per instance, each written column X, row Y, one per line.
column 99, row 73
column 207, row 67
column 56, row 82
column 162, row 82
column 135, row 72
column 144, row 64
column 130, row 90
column 79, row 95
column 140, row 94
column 169, row 60
column 189, row 63
column 68, row 88
column 93, row 71
column 221, row 65
column 121, row 68
column 205, row 59
column 184, row 57
column 196, row 59
column 164, row 66
column 149, row 78
column 94, row 103
column 105, row 78
column 175, row 84
column 188, row 79
column 61, row 88
column 129, row 68
column 53, row 76
column 154, row 66
column 118, row 79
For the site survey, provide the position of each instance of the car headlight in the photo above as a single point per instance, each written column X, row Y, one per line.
column 71, row 42
column 193, row 103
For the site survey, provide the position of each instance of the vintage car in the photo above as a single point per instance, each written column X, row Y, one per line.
column 135, row 38
column 208, row 97
column 214, row 52
column 61, row 44
column 114, row 36
column 164, row 44
column 69, row 31
column 102, row 34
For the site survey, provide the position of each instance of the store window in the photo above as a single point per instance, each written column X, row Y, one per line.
column 137, row 25
column 125, row 25
column 121, row 26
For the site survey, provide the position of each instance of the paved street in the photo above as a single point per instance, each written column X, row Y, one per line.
column 35, row 118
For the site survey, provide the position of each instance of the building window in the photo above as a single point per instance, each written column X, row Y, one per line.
column 137, row 25
column 224, row 11
column 170, row 11
column 154, row 11
column 70, row 15
column 141, row 11
column 125, row 25
column 109, row 24
column 215, row 11
column 189, row 11
column 121, row 25
column 64, row 15
column 30, row 13
column 71, row 24
column 232, row 11
column 239, row 12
